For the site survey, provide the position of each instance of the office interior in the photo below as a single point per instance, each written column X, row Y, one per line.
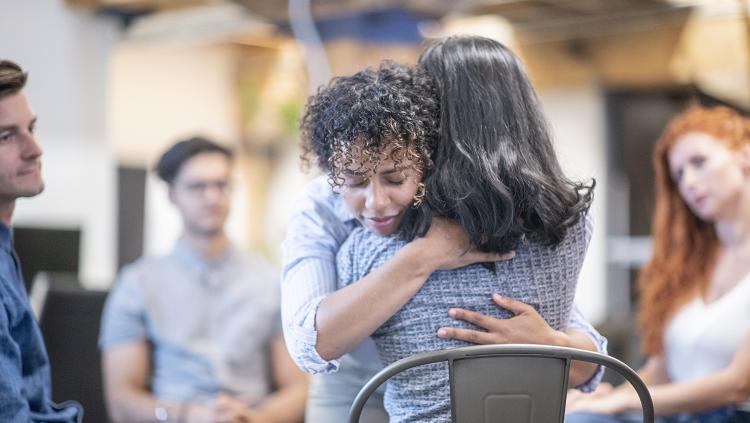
column 116, row 82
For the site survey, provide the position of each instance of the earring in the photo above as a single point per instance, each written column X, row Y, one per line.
column 420, row 195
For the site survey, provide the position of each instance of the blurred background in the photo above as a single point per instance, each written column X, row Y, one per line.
column 115, row 82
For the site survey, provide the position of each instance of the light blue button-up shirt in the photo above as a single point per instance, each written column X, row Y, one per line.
column 318, row 225
column 210, row 322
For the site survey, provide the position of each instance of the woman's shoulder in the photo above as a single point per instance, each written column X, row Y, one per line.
column 362, row 241
column 364, row 251
column 582, row 230
column 536, row 257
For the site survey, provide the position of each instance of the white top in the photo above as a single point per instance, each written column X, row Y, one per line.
column 702, row 339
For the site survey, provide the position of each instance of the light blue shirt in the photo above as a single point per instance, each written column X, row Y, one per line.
column 210, row 322
column 318, row 225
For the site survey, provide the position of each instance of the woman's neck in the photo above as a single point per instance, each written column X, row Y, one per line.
column 734, row 230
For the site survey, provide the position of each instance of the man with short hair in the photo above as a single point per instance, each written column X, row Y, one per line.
column 207, row 316
column 24, row 366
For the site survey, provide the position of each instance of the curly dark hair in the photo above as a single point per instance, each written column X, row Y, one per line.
column 363, row 114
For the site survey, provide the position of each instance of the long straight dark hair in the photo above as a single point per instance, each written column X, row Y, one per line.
column 495, row 166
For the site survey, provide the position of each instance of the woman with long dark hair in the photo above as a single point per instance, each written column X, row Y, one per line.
column 695, row 291
column 492, row 129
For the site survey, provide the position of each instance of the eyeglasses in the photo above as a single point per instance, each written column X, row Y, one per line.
column 201, row 187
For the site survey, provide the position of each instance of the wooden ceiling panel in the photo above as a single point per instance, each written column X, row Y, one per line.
column 154, row 5
column 526, row 15
column 278, row 10
column 527, row 11
column 524, row 11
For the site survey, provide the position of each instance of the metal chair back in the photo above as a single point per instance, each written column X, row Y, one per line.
column 507, row 383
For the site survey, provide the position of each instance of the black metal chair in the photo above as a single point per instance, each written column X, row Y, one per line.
column 69, row 321
column 507, row 383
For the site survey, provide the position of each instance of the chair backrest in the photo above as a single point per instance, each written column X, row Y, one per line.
column 69, row 322
column 507, row 383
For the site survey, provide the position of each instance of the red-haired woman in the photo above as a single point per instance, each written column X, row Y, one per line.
column 695, row 302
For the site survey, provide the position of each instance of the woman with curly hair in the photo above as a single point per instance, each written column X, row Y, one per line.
column 376, row 135
column 695, row 291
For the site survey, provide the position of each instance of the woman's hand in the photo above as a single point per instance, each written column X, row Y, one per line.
column 574, row 397
column 446, row 246
column 527, row 327
column 605, row 400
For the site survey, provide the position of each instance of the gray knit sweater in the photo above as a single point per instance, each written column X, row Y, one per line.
column 541, row 276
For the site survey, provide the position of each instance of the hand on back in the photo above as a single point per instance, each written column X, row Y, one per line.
column 527, row 327
column 447, row 246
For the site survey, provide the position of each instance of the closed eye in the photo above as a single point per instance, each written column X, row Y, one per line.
column 355, row 181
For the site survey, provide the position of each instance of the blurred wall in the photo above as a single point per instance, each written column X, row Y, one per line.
column 577, row 118
column 164, row 92
column 66, row 55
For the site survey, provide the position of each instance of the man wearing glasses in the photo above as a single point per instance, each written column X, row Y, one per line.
column 207, row 316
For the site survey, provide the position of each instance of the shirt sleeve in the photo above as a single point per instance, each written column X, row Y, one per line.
column 24, row 367
column 315, row 231
column 14, row 406
column 579, row 322
column 124, row 315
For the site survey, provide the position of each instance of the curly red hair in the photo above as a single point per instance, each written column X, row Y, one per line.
column 685, row 247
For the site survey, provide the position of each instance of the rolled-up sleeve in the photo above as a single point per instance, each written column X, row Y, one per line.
column 579, row 322
column 312, row 276
column 318, row 226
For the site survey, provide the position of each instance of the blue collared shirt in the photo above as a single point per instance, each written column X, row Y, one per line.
column 210, row 322
column 24, row 367
column 319, row 224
